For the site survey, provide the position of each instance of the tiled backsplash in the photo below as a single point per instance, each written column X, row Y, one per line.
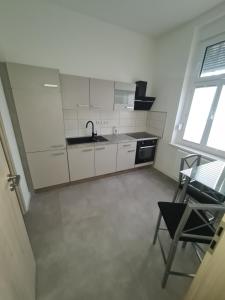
column 124, row 121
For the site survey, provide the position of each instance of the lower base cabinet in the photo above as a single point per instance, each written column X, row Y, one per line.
column 81, row 162
column 105, row 159
column 48, row 168
column 126, row 156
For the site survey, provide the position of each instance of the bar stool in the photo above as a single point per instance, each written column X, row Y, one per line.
column 185, row 222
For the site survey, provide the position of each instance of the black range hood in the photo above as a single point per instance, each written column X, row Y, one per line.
column 142, row 102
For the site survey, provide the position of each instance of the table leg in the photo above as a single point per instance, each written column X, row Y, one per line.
column 184, row 190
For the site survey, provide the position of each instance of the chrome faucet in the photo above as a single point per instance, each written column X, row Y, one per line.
column 93, row 128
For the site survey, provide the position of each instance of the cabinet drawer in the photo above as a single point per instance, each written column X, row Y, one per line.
column 128, row 145
column 105, row 159
column 48, row 168
column 31, row 77
column 81, row 162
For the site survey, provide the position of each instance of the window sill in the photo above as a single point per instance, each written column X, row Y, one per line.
column 205, row 155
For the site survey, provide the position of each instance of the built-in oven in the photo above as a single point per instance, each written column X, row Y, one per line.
column 145, row 151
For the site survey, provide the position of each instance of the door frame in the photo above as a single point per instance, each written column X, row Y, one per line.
column 8, row 155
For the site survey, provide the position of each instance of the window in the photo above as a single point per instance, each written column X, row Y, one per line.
column 203, row 120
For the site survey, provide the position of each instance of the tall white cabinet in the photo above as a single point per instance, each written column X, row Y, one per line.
column 37, row 99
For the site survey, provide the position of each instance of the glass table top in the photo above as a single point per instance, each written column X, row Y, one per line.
column 211, row 175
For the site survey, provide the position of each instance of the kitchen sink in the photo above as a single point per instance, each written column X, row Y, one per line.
column 86, row 139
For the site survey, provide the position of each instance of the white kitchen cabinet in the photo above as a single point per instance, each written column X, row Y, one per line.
column 40, row 117
column 105, row 159
column 32, row 77
column 126, row 156
column 75, row 91
column 101, row 94
column 81, row 162
column 48, row 168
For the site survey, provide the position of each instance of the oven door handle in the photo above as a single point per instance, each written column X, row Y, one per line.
column 145, row 147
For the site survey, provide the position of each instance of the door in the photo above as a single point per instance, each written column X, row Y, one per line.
column 75, row 92
column 105, row 159
column 48, row 168
column 102, row 94
column 209, row 281
column 17, row 266
column 126, row 156
column 41, row 118
column 81, row 162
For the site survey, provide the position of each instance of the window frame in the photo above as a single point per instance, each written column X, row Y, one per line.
column 197, row 82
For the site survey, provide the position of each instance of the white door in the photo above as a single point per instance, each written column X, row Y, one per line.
column 17, row 265
column 105, row 159
column 126, row 156
column 210, row 279
column 48, row 168
column 102, row 94
column 81, row 162
column 75, row 92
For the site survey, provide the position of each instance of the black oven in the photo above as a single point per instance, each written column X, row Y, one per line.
column 145, row 151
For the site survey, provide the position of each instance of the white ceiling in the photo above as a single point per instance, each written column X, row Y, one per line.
column 153, row 17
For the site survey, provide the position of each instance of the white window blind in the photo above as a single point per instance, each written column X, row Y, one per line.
column 214, row 60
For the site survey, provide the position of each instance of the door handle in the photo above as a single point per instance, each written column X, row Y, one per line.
column 145, row 147
column 14, row 181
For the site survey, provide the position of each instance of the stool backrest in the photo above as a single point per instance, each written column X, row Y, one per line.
column 189, row 161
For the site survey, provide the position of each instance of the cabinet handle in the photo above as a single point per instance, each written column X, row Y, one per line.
column 50, row 85
column 102, row 148
column 96, row 107
column 131, row 151
column 82, row 105
column 57, row 146
column 58, row 154
column 127, row 145
column 87, row 150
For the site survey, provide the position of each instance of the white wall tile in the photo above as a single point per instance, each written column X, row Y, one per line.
column 69, row 114
column 70, row 124
column 127, row 122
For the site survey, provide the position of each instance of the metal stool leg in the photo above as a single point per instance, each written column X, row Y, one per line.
column 169, row 262
column 176, row 194
column 157, row 228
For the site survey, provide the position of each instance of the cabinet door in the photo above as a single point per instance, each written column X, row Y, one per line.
column 81, row 162
column 105, row 159
column 126, row 156
column 48, row 168
column 101, row 94
column 40, row 118
column 31, row 77
column 75, row 92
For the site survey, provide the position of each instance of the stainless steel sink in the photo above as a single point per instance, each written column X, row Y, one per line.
column 86, row 139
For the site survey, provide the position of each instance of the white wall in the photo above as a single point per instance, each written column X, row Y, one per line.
column 172, row 64
column 13, row 147
column 43, row 34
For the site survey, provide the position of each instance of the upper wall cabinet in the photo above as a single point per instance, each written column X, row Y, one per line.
column 75, row 91
column 101, row 94
column 30, row 77
column 124, row 96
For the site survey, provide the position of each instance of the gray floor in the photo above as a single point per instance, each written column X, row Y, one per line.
column 93, row 240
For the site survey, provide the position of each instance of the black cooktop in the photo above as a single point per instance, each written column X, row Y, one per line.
column 141, row 135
